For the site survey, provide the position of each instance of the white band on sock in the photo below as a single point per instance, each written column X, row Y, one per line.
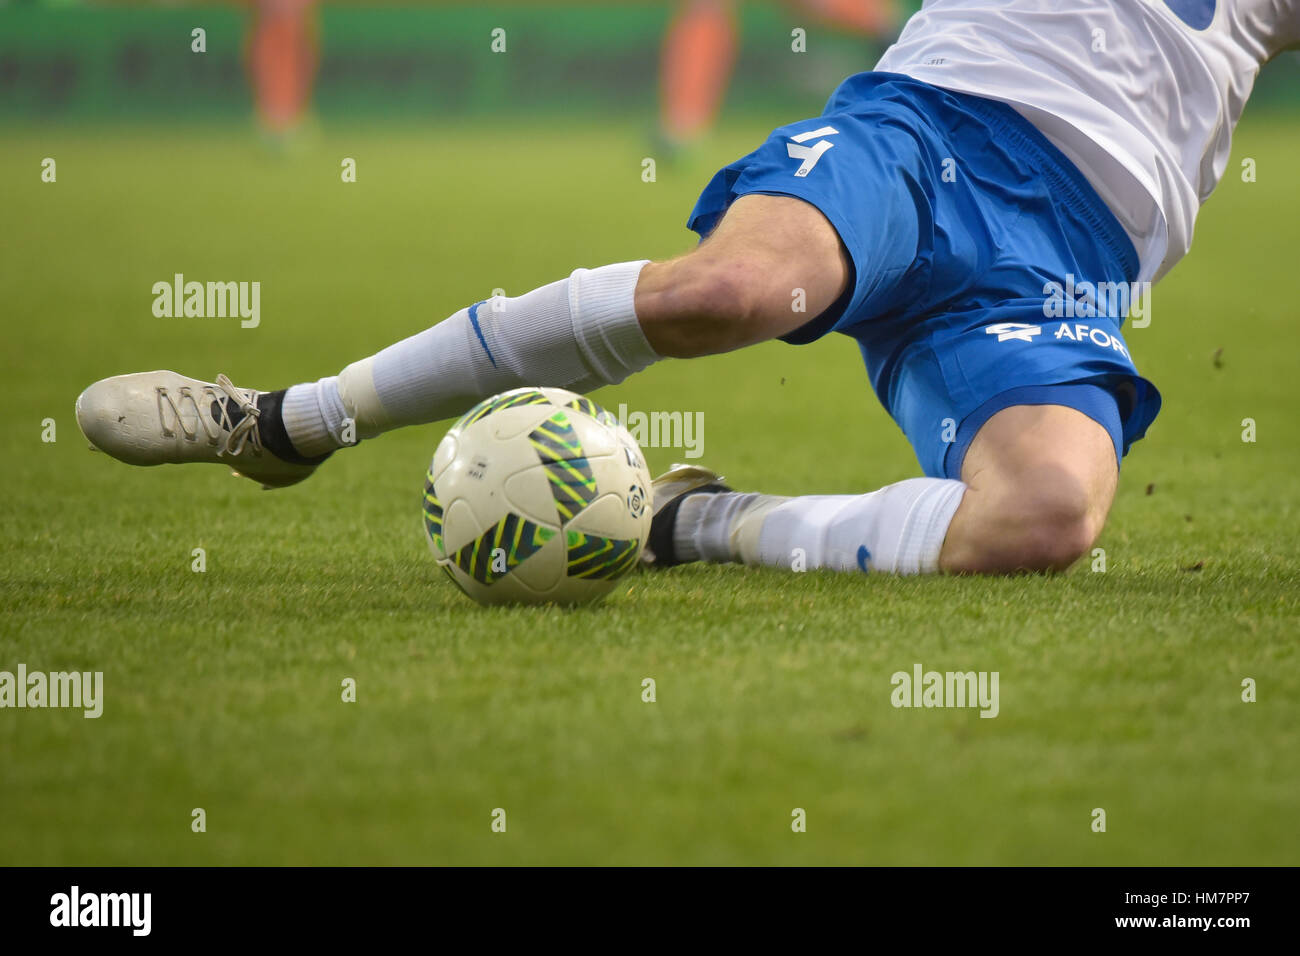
column 926, row 526
column 705, row 523
column 313, row 417
column 605, row 323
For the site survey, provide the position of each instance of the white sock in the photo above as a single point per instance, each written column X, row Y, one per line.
column 313, row 417
column 578, row 333
column 898, row 529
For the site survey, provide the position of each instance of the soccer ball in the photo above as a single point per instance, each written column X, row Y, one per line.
column 537, row 495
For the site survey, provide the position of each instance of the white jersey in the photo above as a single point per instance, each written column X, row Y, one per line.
column 1142, row 95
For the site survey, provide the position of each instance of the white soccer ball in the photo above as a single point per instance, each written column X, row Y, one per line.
column 537, row 495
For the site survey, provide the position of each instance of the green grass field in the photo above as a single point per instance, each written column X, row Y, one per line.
column 1120, row 690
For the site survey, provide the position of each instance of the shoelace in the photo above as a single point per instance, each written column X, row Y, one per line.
column 238, row 436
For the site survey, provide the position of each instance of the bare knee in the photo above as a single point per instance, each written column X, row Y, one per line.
column 773, row 264
column 1040, row 481
column 702, row 305
column 1052, row 523
column 1043, row 519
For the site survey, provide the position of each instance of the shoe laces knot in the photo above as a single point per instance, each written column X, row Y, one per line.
column 245, row 432
column 187, row 413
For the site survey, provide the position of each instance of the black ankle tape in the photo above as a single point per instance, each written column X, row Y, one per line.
column 662, row 526
column 270, row 428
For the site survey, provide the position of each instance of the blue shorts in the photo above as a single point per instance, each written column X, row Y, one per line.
column 987, row 272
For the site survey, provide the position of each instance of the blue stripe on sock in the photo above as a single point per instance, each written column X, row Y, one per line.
column 473, row 320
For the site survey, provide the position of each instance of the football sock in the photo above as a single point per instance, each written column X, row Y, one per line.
column 272, row 430
column 313, row 417
column 898, row 529
column 578, row 333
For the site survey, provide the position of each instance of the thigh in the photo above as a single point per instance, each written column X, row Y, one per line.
column 944, row 378
column 868, row 166
column 1027, row 447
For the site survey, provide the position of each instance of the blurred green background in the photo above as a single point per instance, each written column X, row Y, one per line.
column 69, row 60
column 411, row 61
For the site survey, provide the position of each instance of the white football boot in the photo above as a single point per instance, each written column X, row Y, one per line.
column 157, row 418
column 668, row 491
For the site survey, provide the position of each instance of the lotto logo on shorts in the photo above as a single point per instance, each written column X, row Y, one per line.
column 810, row 154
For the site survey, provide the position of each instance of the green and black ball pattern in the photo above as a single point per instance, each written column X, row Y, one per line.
column 573, row 486
column 498, row 551
column 501, row 548
column 498, row 402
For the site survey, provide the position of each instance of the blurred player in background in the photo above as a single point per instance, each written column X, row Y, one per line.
column 699, row 52
column 283, row 54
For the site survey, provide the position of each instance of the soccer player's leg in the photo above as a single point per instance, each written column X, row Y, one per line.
column 593, row 328
column 699, row 49
column 282, row 60
column 1036, row 485
column 1018, row 422
column 737, row 288
column 1039, row 480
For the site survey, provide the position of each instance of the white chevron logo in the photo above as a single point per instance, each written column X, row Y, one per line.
column 1014, row 330
column 810, row 154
